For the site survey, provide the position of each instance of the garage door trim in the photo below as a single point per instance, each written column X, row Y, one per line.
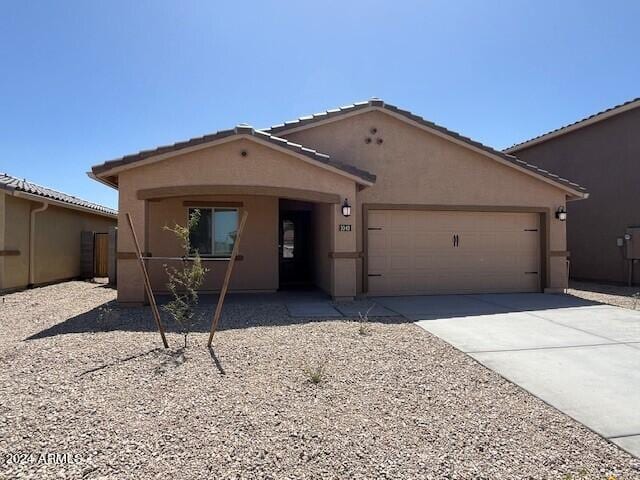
column 544, row 212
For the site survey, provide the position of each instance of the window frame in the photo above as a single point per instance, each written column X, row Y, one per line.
column 213, row 228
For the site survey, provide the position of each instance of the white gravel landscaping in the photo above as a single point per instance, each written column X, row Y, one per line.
column 618, row 295
column 84, row 378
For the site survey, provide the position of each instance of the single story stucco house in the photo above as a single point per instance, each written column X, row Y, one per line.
column 367, row 199
column 601, row 151
column 40, row 232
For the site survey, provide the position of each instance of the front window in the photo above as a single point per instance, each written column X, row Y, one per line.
column 216, row 231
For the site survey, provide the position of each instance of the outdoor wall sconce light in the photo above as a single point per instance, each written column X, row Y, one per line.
column 346, row 208
column 561, row 214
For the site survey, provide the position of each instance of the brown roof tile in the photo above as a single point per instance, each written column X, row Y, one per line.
column 242, row 129
column 575, row 125
column 11, row 184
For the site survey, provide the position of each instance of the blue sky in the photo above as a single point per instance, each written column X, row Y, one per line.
column 82, row 82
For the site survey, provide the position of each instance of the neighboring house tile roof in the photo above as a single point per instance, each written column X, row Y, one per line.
column 239, row 130
column 377, row 103
column 13, row 184
column 591, row 119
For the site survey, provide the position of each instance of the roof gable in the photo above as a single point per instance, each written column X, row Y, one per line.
column 112, row 167
column 311, row 121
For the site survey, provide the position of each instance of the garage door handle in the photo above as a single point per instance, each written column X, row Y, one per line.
column 456, row 240
column 374, row 275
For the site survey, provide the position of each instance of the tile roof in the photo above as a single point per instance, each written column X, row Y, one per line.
column 377, row 103
column 10, row 183
column 239, row 130
column 609, row 112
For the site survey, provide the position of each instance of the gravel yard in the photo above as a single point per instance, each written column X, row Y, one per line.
column 80, row 376
column 617, row 295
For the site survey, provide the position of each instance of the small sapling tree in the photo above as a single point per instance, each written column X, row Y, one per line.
column 184, row 282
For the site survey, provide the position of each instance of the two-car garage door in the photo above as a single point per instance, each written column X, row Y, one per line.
column 412, row 252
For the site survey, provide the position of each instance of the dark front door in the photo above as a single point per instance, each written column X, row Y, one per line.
column 295, row 248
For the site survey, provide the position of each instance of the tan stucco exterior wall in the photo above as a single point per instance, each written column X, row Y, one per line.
column 223, row 165
column 16, row 237
column 323, row 245
column 2, row 236
column 258, row 269
column 57, row 241
column 415, row 167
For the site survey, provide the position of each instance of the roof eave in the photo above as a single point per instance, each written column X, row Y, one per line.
column 577, row 196
column 60, row 203
column 596, row 118
column 102, row 180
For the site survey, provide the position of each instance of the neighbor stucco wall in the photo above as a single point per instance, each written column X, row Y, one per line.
column 2, row 236
column 604, row 158
column 58, row 229
column 57, row 241
column 258, row 269
column 223, row 165
column 16, row 267
column 419, row 168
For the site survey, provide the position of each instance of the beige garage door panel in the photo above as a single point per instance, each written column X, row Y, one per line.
column 412, row 252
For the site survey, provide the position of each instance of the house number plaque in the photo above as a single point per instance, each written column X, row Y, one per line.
column 344, row 227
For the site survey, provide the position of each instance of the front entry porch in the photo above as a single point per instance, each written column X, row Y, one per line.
column 243, row 171
column 288, row 244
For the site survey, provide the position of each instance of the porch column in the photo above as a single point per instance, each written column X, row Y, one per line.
column 130, row 281
column 345, row 250
column 557, row 274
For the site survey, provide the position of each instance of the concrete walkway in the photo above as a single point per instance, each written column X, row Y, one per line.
column 580, row 357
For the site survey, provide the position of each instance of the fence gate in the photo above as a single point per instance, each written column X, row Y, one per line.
column 101, row 254
column 94, row 254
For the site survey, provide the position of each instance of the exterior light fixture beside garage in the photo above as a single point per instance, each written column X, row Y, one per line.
column 561, row 214
column 346, row 208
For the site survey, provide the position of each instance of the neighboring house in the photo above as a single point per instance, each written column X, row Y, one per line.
column 603, row 153
column 40, row 232
column 431, row 211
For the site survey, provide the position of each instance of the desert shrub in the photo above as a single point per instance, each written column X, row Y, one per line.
column 363, row 322
column 184, row 282
column 316, row 372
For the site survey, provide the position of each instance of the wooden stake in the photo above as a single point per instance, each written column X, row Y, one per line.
column 227, row 278
column 147, row 283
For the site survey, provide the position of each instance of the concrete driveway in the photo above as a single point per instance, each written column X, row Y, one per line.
column 581, row 357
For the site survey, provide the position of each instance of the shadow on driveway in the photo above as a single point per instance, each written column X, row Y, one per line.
column 452, row 306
